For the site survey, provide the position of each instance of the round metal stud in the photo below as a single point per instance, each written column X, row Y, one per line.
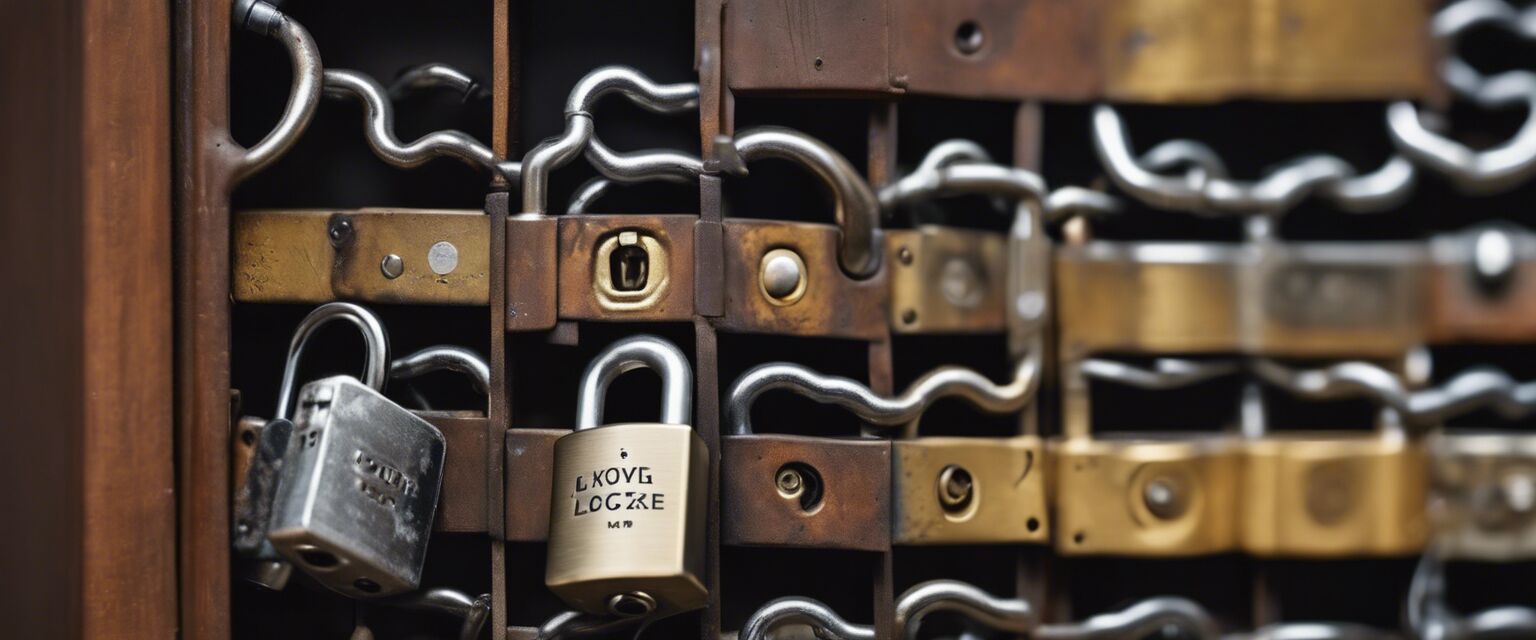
column 392, row 266
column 443, row 258
column 782, row 277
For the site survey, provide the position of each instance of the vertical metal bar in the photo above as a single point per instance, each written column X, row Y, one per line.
column 882, row 169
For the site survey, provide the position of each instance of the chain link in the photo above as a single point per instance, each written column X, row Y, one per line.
column 1204, row 187
column 1499, row 167
column 1473, row 390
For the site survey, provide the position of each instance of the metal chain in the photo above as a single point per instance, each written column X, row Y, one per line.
column 1011, row 615
column 1469, row 391
column 379, row 120
column 580, row 136
column 1431, row 618
column 1204, row 187
column 963, row 167
column 943, row 382
column 1502, row 166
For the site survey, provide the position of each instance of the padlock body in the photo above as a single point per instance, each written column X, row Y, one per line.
column 1481, row 505
column 1326, row 495
column 1143, row 497
column 358, row 490
column 1004, row 502
column 627, row 509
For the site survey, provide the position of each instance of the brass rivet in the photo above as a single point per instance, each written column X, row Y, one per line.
column 392, row 266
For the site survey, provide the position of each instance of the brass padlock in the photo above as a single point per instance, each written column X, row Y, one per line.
column 967, row 490
column 626, row 524
column 357, row 489
column 1141, row 495
column 1330, row 494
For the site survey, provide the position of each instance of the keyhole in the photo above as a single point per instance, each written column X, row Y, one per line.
column 629, row 266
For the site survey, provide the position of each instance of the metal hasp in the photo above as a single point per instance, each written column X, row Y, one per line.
column 397, row 256
column 1075, row 50
column 801, row 278
column 626, row 526
column 359, row 486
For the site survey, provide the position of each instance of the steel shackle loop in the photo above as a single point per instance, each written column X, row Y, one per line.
column 1137, row 621
column 379, row 121
column 1013, row 615
column 1204, row 188
column 792, row 610
column 1497, row 168
column 444, row 358
column 376, row 341
column 948, row 381
column 961, row 167
column 1472, row 390
column 303, row 92
column 629, row 354
column 855, row 207
column 579, row 134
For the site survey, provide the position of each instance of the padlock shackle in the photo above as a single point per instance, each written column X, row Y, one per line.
column 855, row 207
column 1013, row 615
column 375, row 340
column 1139, row 620
column 885, row 411
column 580, row 132
column 957, row 167
column 637, row 352
column 800, row 610
column 265, row 19
column 444, row 358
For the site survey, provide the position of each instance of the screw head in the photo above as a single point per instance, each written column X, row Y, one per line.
column 392, row 266
column 1493, row 260
column 340, row 231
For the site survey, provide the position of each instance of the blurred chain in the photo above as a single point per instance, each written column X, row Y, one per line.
column 1431, row 618
column 943, row 382
column 1473, row 390
column 472, row 611
column 1204, row 187
column 1502, row 166
column 961, row 167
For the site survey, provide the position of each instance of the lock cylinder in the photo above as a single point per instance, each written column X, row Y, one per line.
column 626, row 525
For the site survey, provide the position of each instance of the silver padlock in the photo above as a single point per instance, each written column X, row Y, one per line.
column 358, row 486
column 627, row 501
